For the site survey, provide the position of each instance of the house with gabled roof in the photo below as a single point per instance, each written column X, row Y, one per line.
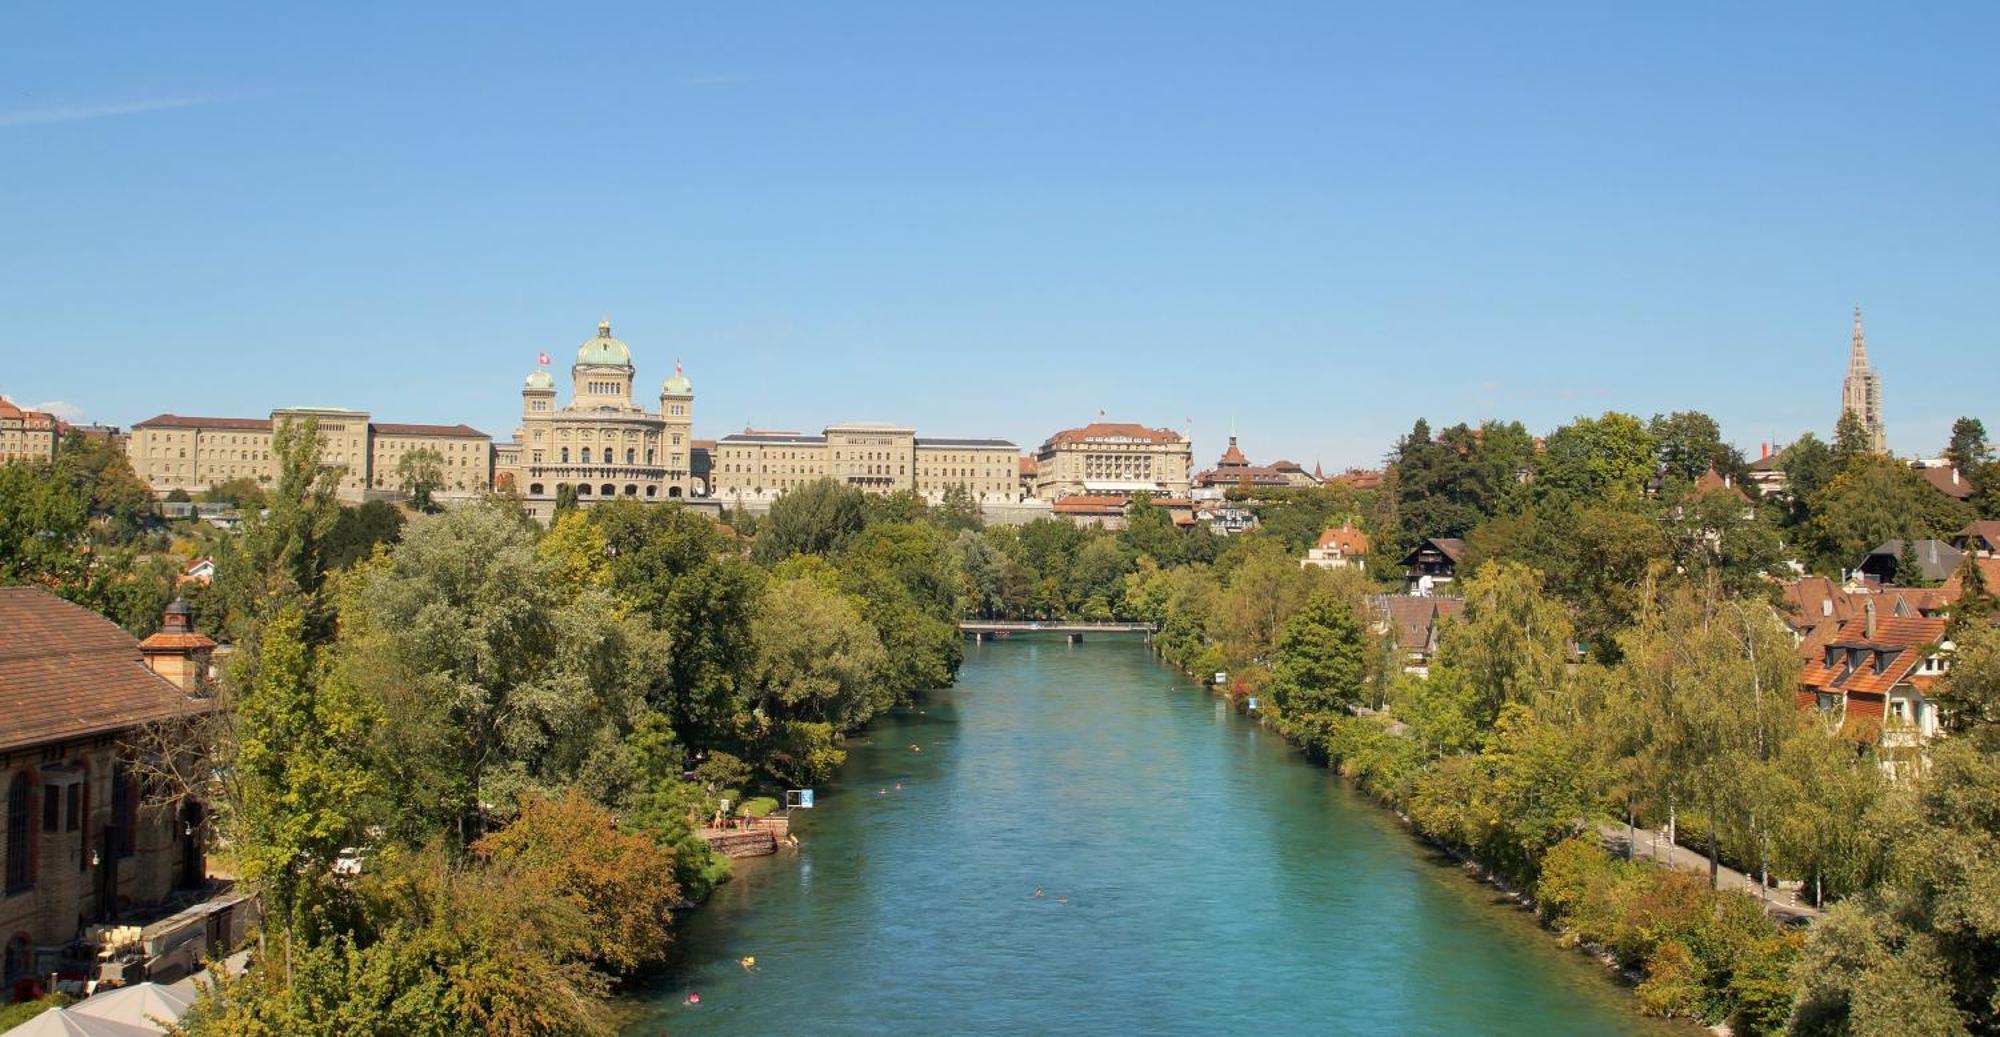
column 1872, row 677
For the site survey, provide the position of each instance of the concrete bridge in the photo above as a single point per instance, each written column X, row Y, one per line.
column 988, row 629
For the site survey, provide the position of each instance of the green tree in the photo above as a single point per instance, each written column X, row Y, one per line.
column 817, row 518
column 1872, row 500
column 420, row 474
column 1321, row 658
column 817, row 659
column 358, row 530
column 1604, row 458
column 1967, row 450
column 1850, row 440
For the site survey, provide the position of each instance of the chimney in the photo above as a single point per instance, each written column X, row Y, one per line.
column 1868, row 619
column 1763, row 450
column 177, row 653
column 1954, row 475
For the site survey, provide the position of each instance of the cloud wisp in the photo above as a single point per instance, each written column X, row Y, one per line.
column 51, row 115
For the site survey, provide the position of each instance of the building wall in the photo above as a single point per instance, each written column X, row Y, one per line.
column 1066, row 462
column 871, row 458
column 466, row 460
column 642, row 455
column 192, row 454
column 27, row 435
column 66, row 887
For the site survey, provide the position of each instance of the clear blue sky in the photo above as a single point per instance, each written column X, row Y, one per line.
column 999, row 219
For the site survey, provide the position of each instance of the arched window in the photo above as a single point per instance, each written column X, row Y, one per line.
column 652, row 491
column 610, row 490
column 673, row 491
column 631, row 490
column 20, row 837
column 565, row 455
column 586, row 455
column 534, row 489
column 631, row 455
column 583, row 489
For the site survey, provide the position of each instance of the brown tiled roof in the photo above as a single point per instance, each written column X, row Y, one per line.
column 1109, row 429
column 1948, row 481
column 702, row 444
column 183, row 421
column 1411, row 617
column 1899, row 641
column 165, row 642
column 1954, row 588
column 67, row 672
column 1347, row 538
column 460, row 431
column 1360, row 478
column 1029, row 466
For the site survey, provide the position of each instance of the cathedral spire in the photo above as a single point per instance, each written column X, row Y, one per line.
column 1857, row 358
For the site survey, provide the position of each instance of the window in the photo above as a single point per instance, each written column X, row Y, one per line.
column 586, row 455
column 20, row 863
column 51, row 808
column 75, row 792
column 610, row 490
column 565, row 455
column 631, row 455
column 124, row 808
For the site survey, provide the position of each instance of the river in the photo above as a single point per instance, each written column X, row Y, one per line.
column 1197, row 877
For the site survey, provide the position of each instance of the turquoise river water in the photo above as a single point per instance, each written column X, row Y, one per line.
column 1198, row 877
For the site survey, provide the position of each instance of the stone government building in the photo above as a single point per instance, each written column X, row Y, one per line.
column 176, row 452
column 756, row 466
column 602, row 446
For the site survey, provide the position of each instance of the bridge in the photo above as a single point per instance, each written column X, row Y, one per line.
column 987, row 629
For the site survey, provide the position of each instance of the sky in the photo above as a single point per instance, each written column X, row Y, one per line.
column 1312, row 222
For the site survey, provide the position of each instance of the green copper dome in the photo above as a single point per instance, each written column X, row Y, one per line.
column 604, row 349
column 539, row 380
column 678, row 385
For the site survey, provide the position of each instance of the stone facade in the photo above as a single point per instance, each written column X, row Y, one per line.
column 602, row 446
column 877, row 458
column 1108, row 458
column 27, row 435
column 176, row 452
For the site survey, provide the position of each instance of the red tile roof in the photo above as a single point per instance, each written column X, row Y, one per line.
column 1029, row 466
column 1981, row 535
column 1090, row 505
column 183, row 421
column 1347, row 538
column 67, row 672
column 1115, row 429
column 1712, row 481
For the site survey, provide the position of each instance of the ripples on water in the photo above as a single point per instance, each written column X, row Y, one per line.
column 1199, row 877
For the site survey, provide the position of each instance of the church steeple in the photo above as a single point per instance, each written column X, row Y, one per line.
column 1861, row 390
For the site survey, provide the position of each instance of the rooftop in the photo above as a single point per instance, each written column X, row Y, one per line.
column 67, row 672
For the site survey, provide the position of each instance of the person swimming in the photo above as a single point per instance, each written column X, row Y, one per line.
column 1038, row 892
column 749, row 963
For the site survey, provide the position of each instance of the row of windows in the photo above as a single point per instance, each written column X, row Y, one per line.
column 604, row 490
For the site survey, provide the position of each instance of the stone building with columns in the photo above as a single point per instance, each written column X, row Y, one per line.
column 84, row 842
column 601, row 445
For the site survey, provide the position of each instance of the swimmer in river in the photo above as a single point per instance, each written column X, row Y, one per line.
column 749, row 963
column 1062, row 900
column 1037, row 892
column 915, row 748
column 693, row 999
column 881, row 792
column 899, row 786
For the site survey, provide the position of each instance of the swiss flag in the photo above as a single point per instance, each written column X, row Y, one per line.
column 542, row 359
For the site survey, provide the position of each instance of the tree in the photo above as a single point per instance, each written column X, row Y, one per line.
column 1851, row 441
column 1690, row 443
column 502, row 679
column 1872, row 500
column 1511, row 645
column 817, row 659
column 358, row 530
column 565, row 498
column 420, row 473
column 1321, row 658
column 1603, row 458
column 817, row 518
column 43, row 522
column 568, row 848
column 1967, row 450
column 297, row 791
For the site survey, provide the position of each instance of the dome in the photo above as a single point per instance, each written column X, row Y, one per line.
column 540, row 380
column 604, row 349
column 678, row 385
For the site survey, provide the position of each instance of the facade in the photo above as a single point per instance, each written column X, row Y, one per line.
column 1113, row 458
column 1104, row 511
column 602, row 445
column 1339, row 548
column 81, row 843
column 1433, row 564
column 1861, row 391
column 27, row 435
column 869, row 456
column 177, row 452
